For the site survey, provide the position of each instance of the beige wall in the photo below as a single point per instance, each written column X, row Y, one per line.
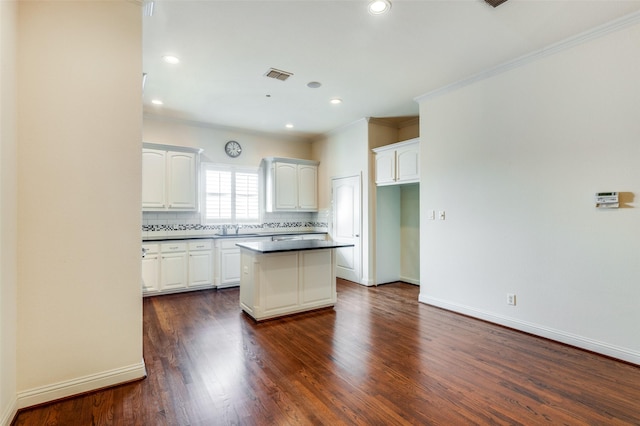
column 515, row 160
column 79, row 173
column 255, row 146
column 8, row 211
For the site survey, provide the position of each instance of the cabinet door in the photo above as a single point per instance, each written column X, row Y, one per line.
column 385, row 167
column 408, row 163
column 308, row 187
column 153, row 179
column 229, row 267
column 173, row 271
column 285, row 186
column 181, row 181
column 200, row 268
column 150, row 273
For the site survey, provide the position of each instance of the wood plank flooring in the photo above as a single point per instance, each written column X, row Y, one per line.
column 378, row 358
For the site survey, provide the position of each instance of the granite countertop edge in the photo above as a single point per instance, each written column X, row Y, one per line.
column 266, row 247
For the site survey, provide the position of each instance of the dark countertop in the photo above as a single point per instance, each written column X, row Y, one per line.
column 219, row 236
column 290, row 245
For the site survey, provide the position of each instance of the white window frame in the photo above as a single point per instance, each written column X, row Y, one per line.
column 233, row 220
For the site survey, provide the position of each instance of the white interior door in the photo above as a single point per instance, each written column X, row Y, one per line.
column 347, row 215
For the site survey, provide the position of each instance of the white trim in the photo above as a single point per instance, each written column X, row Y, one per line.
column 410, row 280
column 81, row 385
column 599, row 31
column 9, row 413
column 538, row 330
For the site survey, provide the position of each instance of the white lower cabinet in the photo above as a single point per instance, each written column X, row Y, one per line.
column 228, row 260
column 200, row 264
column 151, row 268
column 174, row 266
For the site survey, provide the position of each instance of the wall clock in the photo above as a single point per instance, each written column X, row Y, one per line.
column 233, row 149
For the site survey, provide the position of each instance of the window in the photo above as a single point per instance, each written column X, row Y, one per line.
column 230, row 194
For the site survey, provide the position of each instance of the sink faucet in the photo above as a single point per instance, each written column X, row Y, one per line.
column 237, row 228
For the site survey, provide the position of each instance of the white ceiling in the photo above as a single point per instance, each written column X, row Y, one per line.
column 376, row 64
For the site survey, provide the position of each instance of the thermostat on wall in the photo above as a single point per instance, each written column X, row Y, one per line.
column 607, row 200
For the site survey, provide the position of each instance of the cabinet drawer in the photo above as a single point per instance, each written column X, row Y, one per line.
column 150, row 248
column 173, row 247
column 200, row 245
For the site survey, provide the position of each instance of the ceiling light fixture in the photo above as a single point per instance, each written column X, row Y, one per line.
column 171, row 59
column 314, row 84
column 289, row 126
column 377, row 7
column 336, row 101
column 157, row 102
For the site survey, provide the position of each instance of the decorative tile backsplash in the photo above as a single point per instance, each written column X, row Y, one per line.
column 168, row 224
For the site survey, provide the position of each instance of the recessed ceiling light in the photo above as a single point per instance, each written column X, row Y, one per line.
column 336, row 101
column 289, row 126
column 314, row 84
column 157, row 102
column 171, row 59
column 377, row 7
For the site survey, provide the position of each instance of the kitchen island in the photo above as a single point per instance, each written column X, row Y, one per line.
column 287, row 277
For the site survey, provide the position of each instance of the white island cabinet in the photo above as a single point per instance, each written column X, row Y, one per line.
column 287, row 277
column 228, row 260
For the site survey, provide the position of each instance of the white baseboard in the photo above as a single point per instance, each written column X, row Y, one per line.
column 410, row 280
column 582, row 342
column 80, row 385
column 9, row 413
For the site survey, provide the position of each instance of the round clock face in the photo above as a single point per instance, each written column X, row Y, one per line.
column 233, row 149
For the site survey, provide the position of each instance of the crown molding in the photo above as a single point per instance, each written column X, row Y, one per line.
column 594, row 33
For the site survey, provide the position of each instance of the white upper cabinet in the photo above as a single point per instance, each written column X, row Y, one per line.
column 290, row 185
column 154, row 169
column 398, row 163
column 308, row 187
column 169, row 178
column 285, row 186
column 181, row 181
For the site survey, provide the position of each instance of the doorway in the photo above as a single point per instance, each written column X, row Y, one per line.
column 347, row 222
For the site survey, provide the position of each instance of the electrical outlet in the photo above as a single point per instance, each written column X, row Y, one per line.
column 511, row 299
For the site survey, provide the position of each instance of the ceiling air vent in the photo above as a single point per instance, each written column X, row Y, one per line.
column 278, row 74
column 495, row 3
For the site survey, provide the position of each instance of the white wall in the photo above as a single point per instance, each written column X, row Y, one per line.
column 8, row 212
column 515, row 160
column 255, row 146
column 344, row 152
column 410, row 233
column 388, row 236
column 79, row 173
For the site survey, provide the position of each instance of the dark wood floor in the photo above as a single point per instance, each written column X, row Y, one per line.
column 378, row 358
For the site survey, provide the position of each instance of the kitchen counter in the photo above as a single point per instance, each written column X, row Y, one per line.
column 220, row 236
column 287, row 277
column 290, row 245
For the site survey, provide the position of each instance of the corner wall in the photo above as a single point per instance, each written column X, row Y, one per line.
column 8, row 212
column 79, row 175
column 344, row 152
column 515, row 160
